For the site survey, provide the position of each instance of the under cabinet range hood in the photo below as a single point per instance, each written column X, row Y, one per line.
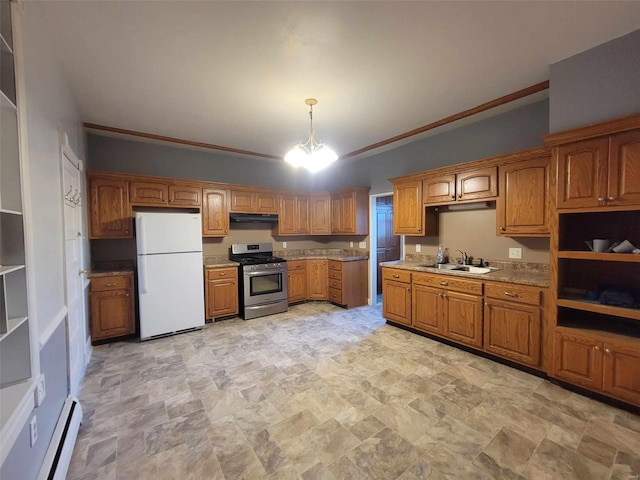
column 253, row 218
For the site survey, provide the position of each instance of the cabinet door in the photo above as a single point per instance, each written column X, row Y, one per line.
column 110, row 210
column 243, row 201
column 396, row 301
column 582, row 173
column 320, row 214
column 427, row 313
column 522, row 204
column 621, row 372
column 439, row 190
column 512, row 331
column 302, row 215
column 348, row 216
column 408, row 209
column 336, row 214
column 266, row 202
column 297, row 285
column 624, row 169
column 148, row 193
column 111, row 314
column 577, row 360
column 185, row 195
column 221, row 293
column 477, row 184
column 317, row 279
column 215, row 218
column 463, row 318
column 287, row 215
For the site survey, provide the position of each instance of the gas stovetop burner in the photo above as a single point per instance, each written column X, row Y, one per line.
column 255, row 260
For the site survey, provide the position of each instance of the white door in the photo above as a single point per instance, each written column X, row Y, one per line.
column 74, row 270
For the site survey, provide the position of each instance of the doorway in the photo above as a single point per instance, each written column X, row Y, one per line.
column 385, row 246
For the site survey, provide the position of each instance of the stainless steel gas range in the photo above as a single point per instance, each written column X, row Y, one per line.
column 262, row 280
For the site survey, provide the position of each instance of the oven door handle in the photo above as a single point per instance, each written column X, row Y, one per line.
column 265, row 272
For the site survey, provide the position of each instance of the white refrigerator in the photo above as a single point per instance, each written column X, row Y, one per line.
column 170, row 272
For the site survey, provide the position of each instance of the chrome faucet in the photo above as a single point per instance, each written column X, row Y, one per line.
column 465, row 257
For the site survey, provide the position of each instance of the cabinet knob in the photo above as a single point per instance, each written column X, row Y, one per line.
column 408, row 289
column 611, row 199
column 396, row 276
column 459, row 195
column 127, row 294
column 597, row 347
column 453, row 196
column 606, row 350
column 110, row 284
column 502, row 229
column 511, row 294
column 601, row 199
column 486, row 304
column 444, row 283
column 222, row 274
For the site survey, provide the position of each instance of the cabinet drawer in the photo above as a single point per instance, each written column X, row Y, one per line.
column 296, row 265
column 335, row 274
column 396, row 275
column 335, row 295
column 337, row 284
column 335, row 265
column 105, row 284
column 219, row 273
column 448, row 283
column 513, row 293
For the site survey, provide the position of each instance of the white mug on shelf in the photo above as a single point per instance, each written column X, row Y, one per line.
column 624, row 247
column 601, row 244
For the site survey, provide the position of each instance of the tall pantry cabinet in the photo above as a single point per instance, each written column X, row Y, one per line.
column 18, row 351
column 594, row 314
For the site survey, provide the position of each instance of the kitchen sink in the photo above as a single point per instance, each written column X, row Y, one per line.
column 460, row 268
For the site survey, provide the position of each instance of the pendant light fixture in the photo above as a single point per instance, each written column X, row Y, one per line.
column 312, row 155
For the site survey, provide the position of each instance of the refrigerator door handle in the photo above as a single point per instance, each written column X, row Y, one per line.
column 142, row 245
column 142, row 274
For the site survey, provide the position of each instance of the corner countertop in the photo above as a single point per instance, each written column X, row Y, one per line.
column 212, row 263
column 506, row 275
column 108, row 273
column 325, row 256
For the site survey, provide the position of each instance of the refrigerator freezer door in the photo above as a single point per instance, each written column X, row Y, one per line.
column 170, row 293
column 159, row 232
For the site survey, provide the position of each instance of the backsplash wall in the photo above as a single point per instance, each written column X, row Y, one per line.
column 474, row 232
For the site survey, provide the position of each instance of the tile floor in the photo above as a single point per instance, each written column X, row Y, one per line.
column 325, row 393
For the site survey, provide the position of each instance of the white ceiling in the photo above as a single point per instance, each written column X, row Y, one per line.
column 237, row 73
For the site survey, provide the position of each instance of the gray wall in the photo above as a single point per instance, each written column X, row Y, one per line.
column 505, row 133
column 50, row 110
column 596, row 85
column 23, row 462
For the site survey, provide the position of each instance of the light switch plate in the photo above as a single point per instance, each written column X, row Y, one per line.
column 33, row 430
column 362, row 245
column 418, row 248
column 351, row 244
column 40, row 391
column 515, row 253
column 284, row 244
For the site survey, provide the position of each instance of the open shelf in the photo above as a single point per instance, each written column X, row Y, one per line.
column 12, row 325
column 579, row 303
column 10, row 398
column 5, row 269
column 577, row 228
column 604, row 257
column 598, row 323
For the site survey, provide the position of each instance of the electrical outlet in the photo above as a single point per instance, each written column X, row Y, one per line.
column 40, row 391
column 33, row 429
column 515, row 253
column 362, row 245
column 418, row 248
column 284, row 244
column 351, row 244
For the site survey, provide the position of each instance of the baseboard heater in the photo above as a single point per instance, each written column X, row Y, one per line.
column 58, row 457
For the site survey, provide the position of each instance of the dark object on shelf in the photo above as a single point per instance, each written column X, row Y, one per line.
column 617, row 298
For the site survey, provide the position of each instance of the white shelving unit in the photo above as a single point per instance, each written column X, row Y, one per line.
column 16, row 382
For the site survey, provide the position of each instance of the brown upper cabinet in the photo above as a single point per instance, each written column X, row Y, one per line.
column 521, row 208
column 215, row 214
column 253, row 201
column 185, row 195
column 409, row 215
column 469, row 185
column 350, row 211
column 320, row 205
column 600, row 172
column 109, row 210
column 293, row 216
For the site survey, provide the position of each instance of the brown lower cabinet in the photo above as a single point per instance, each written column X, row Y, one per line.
column 510, row 325
column 221, row 292
column 603, row 364
column 317, row 279
column 347, row 283
column 111, row 303
column 297, row 281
